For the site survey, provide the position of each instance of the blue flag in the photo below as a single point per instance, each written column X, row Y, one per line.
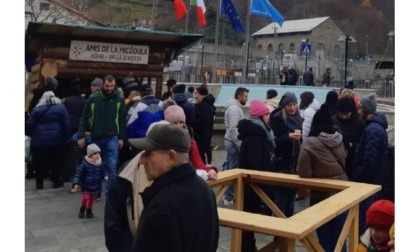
column 266, row 9
column 227, row 8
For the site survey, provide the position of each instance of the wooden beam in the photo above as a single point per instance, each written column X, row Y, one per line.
column 62, row 63
column 354, row 229
column 273, row 207
column 221, row 192
column 92, row 73
column 238, row 204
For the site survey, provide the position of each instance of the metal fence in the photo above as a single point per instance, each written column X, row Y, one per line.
column 385, row 87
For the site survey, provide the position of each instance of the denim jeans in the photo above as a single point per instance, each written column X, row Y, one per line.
column 109, row 155
column 232, row 161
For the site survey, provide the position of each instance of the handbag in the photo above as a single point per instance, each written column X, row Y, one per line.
column 283, row 165
column 27, row 149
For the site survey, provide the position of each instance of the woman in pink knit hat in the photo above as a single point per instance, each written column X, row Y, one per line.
column 255, row 153
column 175, row 114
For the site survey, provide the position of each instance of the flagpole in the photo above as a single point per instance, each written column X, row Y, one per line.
column 216, row 43
column 186, row 31
column 245, row 63
column 153, row 14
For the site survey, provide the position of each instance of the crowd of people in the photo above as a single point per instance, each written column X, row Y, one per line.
column 161, row 149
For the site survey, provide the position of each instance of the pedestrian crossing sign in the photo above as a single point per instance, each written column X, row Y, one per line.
column 306, row 49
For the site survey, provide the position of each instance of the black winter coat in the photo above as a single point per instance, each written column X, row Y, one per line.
column 255, row 152
column 284, row 146
column 74, row 105
column 351, row 130
column 203, row 122
column 117, row 232
column 189, row 110
column 180, row 214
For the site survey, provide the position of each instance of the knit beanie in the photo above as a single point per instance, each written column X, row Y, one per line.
column 170, row 83
column 332, row 98
column 51, row 84
column 92, row 148
column 322, row 122
column 368, row 103
column 174, row 113
column 345, row 105
column 258, row 108
column 128, row 79
column 97, row 82
column 381, row 214
column 178, row 88
column 287, row 98
column 202, row 91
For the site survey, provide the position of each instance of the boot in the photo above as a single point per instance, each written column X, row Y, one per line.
column 89, row 213
column 39, row 184
column 82, row 212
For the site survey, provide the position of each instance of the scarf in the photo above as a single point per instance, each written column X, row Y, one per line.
column 93, row 162
column 270, row 134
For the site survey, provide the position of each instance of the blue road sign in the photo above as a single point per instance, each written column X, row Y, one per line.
column 305, row 48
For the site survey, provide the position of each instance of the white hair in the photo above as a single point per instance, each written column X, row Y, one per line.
column 48, row 97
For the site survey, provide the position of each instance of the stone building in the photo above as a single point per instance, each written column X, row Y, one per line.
column 322, row 33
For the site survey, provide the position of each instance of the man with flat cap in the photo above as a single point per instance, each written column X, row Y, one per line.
column 180, row 211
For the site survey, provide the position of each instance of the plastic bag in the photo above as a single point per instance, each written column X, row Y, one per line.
column 27, row 149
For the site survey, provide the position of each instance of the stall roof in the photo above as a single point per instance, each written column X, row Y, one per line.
column 37, row 33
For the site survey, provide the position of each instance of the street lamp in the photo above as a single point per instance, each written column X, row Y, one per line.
column 347, row 39
column 304, row 42
column 391, row 36
column 202, row 57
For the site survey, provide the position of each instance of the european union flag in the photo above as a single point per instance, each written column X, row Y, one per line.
column 228, row 9
column 265, row 9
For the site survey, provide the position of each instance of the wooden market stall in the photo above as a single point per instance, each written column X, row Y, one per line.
column 87, row 52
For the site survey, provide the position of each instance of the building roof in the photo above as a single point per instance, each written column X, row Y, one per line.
column 175, row 43
column 291, row 26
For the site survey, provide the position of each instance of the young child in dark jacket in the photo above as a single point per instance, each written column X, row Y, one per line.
column 89, row 175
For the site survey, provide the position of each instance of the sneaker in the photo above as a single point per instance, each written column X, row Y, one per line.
column 227, row 203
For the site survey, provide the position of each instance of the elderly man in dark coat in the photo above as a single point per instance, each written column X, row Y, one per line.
column 180, row 211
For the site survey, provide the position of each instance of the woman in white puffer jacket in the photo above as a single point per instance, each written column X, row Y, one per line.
column 308, row 107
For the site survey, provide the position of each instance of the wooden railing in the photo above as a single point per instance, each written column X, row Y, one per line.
column 300, row 226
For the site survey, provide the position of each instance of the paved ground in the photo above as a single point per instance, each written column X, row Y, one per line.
column 52, row 225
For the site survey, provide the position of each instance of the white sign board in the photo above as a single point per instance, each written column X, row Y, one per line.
column 108, row 52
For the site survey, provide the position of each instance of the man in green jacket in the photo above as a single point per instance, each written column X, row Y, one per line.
column 103, row 114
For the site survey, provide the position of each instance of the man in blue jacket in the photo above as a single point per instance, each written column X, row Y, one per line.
column 370, row 163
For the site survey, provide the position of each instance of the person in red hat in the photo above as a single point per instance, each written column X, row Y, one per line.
column 379, row 219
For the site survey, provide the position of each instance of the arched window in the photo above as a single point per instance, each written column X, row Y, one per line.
column 270, row 47
column 336, row 51
column 292, row 48
column 259, row 47
column 320, row 46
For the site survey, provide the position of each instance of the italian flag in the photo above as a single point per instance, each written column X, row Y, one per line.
column 201, row 10
column 180, row 9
